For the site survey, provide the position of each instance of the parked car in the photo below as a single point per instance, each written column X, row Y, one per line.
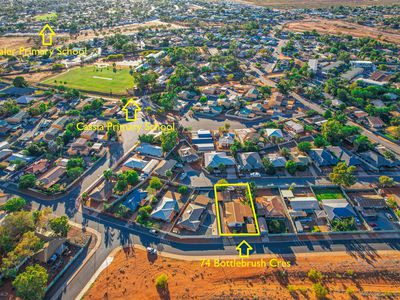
column 151, row 250
column 183, row 176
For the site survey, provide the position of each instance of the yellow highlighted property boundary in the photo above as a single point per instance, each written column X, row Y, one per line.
column 252, row 209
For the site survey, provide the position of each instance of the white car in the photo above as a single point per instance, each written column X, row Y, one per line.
column 151, row 250
column 255, row 174
column 183, row 176
column 389, row 216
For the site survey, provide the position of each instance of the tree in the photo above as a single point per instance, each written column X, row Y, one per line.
column 108, row 174
column 155, row 183
column 221, row 167
column 342, row 175
column 320, row 141
column 304, row 146
column 389, row 155
column 31, row 284
column 268, row 166
column 285, row 152
column 168, row 140
column 291, row 167
column 345, row 224
column 362, row 143
column 14, row 204
column 27, row 181
column 315, row 275
column 386, row 181
column 74, row 173
column 60, row 225
column 319, row 290
column 332, row 131
column 169, row 174
column 132, row 177
column 162, row 281
column 183, row 189
column 20, row 82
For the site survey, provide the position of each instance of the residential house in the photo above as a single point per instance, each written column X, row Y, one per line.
column 343, row 155
column 306, row 204
column 51, row 134
column 270, row 207
column 252, row 94
column 102, row 192
column 150, row 150
column 370, row 201
column 191, row 217
column 79, row 147
column 164, row 166
column 188, row 154
column 375, row 122
column 236, row 214
column 18, row 117
column 167, row 208
column 52, row 176
column 274, row 133
column 214, row 159
column 203, row 140
column 277, row 160
column 376, row 161
column 294, row 127
column 323, row 158
column 135, row 163
column 60, row 123
column 250, row 161
column 135, row 199
column 337, row 209
column 226, row 140
column 38, row 167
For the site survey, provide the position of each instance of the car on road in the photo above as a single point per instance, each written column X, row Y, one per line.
column 255, row 174
column 357, row 221
column 389, row 216
column 153, row 231
column 183, row 176
column 151, row 250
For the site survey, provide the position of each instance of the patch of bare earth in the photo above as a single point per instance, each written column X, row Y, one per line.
column 132, row 275
column 316, row 3
column 341, row 27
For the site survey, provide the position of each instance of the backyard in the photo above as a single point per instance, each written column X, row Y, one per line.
column 324, row 194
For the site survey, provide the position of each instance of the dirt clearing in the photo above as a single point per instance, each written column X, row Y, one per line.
column 342, row 27
column 316, row 4
column 132, row 275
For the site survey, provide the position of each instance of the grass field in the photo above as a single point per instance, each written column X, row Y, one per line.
column 324, row 194
column 46, row 17
column 95, row 79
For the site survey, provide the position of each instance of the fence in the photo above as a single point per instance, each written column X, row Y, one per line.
column 59, row 275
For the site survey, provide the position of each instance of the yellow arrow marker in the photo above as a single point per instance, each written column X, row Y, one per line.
column 244, row 249
column 131, row 103
column 47, row 34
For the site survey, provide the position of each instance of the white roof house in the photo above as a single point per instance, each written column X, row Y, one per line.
column 304, row 203
column 274, row 132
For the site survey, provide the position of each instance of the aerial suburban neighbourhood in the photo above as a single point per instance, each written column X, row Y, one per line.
column 168, row 149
